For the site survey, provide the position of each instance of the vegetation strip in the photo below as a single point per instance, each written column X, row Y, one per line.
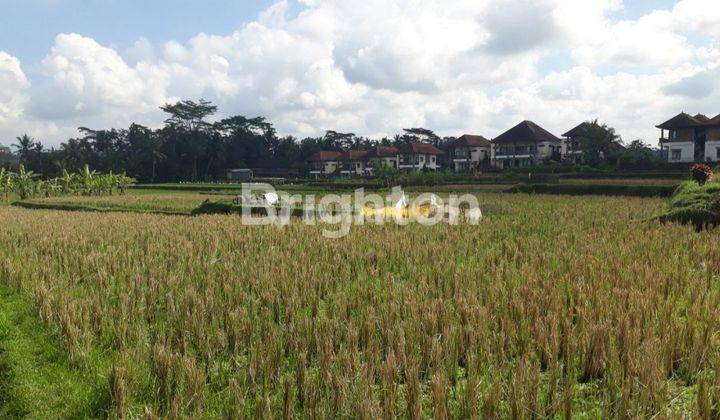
column 36, row 377
column 596, row 189
column 80, row 207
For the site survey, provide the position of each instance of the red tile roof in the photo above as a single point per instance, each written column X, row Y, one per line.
column 470, row 140
column 381, row 151
column 354, row 155
column 526, row 132
column 419, row 149
column 325, row 156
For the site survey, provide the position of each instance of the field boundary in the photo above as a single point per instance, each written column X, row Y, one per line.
column 596, row 189
column 80, row 208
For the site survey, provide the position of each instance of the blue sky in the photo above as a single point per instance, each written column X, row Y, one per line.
column 371, row 67
column 29, row 26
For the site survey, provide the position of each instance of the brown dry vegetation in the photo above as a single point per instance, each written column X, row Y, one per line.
column 556, row 307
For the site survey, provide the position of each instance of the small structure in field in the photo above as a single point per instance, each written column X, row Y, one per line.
column 239, row 175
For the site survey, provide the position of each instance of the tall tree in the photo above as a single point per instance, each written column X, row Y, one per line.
column 339, row 141
column 25, row 146
column 187, row 122
column 598, row 142
column 422, row 135
column 637, row 155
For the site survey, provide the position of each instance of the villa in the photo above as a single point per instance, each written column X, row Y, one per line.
column 354, row 162
column 325, row 163
column 381, row 155
column 469, row 152
column 690, row 138
column 571, row 150
column 524, row 145
column 418, row 156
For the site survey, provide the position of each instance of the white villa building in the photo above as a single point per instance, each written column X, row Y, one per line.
column 418, row 156
column 524, row 145
column 686, row 138
column 469, row 152
column 409, row 157
column 325, row 163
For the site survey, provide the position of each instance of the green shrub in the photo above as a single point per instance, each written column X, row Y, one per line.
column 695, row 204
column 216, row 207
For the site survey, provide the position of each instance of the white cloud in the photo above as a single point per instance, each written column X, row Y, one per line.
column 698, row 15
column 13, row 84
column 376, row 66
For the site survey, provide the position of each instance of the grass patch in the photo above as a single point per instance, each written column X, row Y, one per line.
column 695, row 204
column 167, row 203
column 36, row 378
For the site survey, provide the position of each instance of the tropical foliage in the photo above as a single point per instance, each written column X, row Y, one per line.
column 701, row 173
column 695, row 203
column 27, row 184
column 192, row 145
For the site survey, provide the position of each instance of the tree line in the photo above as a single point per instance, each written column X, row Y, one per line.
column 188, row 147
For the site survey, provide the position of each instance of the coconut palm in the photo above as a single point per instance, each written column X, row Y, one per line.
column 25, row 146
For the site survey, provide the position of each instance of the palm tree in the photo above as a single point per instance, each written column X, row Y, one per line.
column 25, row 145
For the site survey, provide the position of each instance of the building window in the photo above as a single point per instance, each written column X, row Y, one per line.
column 432, row 159
column 675, row 154
column 717, row 153
column 673, row 134
column 417, row 160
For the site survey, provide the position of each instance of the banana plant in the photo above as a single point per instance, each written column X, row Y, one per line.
column 123, row 181
column 88, row 180
column 7, row 183
column 26, row 183
column 67, row 182
column 51, row 187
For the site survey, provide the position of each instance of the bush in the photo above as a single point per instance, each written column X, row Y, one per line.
column 701, row 173
column 215, row 207
column 695, row 204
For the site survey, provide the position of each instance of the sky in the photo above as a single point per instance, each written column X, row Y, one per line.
column 370, row 67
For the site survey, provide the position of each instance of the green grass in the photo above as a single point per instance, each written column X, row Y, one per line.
column 36, row 377
column 695, row 204
column 157, row 202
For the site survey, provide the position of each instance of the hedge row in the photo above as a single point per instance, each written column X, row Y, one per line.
column 596, row 189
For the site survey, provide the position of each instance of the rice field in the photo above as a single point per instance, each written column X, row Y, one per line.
column 554, row 306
